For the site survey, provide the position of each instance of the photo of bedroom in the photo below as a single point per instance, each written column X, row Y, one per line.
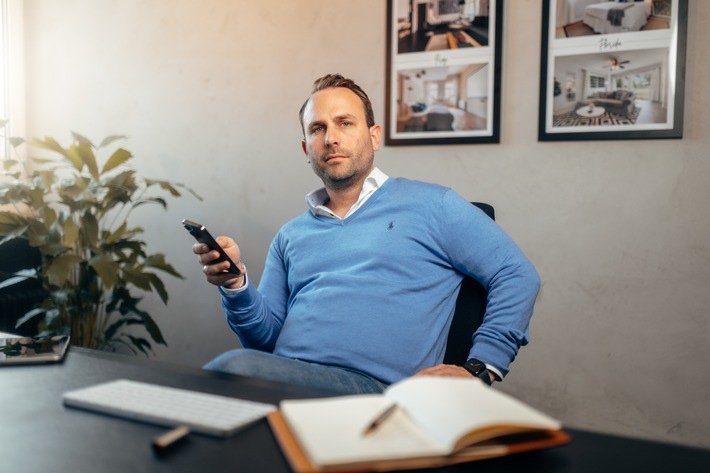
column 435, row 25
column 592, row 17
column 612, row 89
column 443, row 99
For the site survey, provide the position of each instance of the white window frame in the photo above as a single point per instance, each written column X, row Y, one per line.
column 12, row 71
column 4, row 89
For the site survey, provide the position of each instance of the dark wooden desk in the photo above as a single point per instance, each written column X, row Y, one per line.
column 39, row 434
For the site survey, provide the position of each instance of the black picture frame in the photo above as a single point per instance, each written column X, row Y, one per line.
column 607, row 75
column 444, row 70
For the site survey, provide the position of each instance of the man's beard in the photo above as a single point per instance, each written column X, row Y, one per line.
column 338, row 182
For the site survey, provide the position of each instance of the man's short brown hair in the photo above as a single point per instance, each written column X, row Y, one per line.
column 330, row 81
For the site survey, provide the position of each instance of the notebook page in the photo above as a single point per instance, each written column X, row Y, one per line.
column 331, row 430
column 448, row 407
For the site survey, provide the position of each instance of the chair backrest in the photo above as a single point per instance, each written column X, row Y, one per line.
column 18, row 297
column 468, row 315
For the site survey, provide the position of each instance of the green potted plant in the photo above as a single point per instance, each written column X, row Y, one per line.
column 75, row 211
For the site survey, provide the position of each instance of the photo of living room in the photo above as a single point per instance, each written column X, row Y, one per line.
column 592, row 17
column 612, row 89
column 435, row 25
column 443, row 99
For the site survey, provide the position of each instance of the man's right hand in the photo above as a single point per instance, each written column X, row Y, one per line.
column 217, row 273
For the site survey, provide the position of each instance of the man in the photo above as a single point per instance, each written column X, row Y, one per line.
column 359, row 291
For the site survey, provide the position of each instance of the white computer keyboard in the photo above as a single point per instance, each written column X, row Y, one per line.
column 205, row 413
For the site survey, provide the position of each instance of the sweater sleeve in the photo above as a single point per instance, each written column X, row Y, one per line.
column 479, row 248
column 257, row 315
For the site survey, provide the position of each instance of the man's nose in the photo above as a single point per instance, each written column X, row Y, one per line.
column 332, row 138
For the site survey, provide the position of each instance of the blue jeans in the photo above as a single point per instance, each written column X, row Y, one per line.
column 259, row 364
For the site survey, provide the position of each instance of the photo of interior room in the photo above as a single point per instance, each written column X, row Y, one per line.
column 589, row 17
column 453, row 98
column 622, row 88
column 434, row 25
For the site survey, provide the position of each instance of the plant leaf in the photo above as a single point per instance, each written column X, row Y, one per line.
column 82, row 139
column 194, row 194
column 164, row 185
column 49, row 215
column 110, row 139
column 153, row 200
column 8, row 164
column 12, row 226
column 157, row 260
column 153, row 328
column 159, row 287
column 16, row 141
column 90, row 230
column 137, row 278
column 118, row 157
column 60, row 268
column 113, row 237
column 86, row 153
column 110, row 332
column 71, row 233
column 47, row 178
column 12, row 174
column 37, row 232
column 141, row 343
column 29, row 316
column 48, row 143
column 10, row 218
column 107, row 269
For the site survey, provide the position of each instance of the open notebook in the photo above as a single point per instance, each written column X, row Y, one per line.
column 437, row 421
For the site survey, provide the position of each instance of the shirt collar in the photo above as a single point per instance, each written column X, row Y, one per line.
column 317, row 199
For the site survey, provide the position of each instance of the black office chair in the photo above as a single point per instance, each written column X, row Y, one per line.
column 16, row 299
column 468, row 315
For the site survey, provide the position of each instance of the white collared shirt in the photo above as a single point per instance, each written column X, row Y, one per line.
column 317, row 199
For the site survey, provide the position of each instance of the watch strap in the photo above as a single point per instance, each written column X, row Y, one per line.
column 478, row 369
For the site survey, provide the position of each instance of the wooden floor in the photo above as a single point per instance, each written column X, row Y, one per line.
column 651, row 112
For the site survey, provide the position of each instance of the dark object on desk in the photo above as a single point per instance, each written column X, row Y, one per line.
column 19, row 297
column 29, row 350
column 44, row 436
column 468, row 315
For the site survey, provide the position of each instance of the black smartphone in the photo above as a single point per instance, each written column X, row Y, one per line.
column 203, row 236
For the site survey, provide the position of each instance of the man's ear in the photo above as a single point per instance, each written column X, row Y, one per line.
column 375, row 136
column 303, row 145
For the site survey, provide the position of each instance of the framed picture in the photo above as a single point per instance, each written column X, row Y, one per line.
column 612, row 69
column 443, row 71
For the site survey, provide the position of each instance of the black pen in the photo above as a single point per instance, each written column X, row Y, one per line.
column 384, row 415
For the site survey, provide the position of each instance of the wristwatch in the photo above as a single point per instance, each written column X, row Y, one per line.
column 478, row 369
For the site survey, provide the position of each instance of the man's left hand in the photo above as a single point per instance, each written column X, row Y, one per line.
column 447, row 370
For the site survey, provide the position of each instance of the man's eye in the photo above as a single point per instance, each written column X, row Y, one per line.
column 346, row 123
column 317, row 129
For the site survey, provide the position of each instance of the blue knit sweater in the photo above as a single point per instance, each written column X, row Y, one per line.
column 376, row 292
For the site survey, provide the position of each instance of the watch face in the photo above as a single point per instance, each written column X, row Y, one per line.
column 475, row 367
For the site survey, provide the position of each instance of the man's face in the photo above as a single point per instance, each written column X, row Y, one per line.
column 340, row 146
